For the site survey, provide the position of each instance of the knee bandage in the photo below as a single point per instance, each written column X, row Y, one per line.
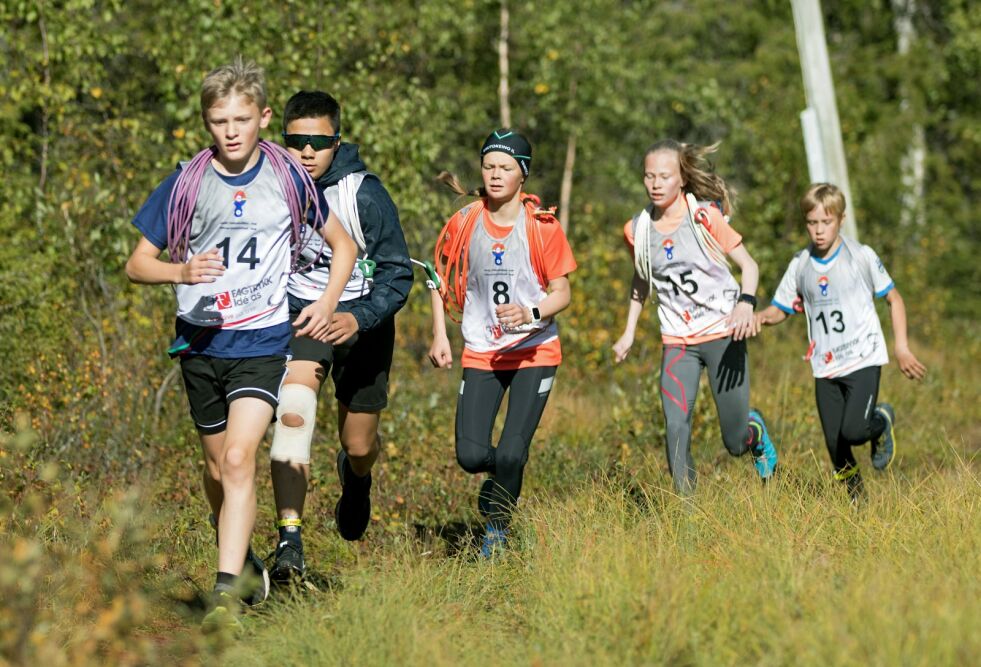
column 291, row 444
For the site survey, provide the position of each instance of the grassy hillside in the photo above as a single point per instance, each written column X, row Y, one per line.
column 608, row 566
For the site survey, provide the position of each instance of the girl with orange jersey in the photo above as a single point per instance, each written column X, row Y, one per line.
column 681, row 243
column 504, row 266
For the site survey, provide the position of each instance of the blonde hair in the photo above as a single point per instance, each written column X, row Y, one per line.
column 242, row 77
column 823, row 194
column 697, row 172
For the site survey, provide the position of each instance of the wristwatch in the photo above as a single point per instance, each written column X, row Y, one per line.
column 747, row 298
column 536, row 315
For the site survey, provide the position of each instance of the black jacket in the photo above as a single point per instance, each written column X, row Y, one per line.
column 384, row 241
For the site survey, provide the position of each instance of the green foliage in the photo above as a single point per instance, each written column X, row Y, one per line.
column 98, row 103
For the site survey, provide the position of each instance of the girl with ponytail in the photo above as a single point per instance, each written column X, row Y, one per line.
column 682, row 244
column 503, row 264
column 230, row 220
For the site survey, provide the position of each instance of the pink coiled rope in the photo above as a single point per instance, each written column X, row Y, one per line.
column 184, row 196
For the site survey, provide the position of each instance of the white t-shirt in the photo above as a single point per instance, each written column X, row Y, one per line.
column 838, row 296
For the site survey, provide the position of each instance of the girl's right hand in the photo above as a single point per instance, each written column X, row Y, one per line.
column 440, row 353
column 204, row 268
column 622, row 347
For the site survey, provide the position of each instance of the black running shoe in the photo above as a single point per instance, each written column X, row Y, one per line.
column 258, row 577
column 353, row 511
column 289, row 563
column 852, row 477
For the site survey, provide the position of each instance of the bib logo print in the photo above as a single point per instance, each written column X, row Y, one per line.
column 669, row 248
column 498, row 251
column 823, row 284
column 239, row 203
column 223, row 300
column 828, row 357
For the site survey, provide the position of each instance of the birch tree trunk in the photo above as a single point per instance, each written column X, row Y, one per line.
column 913, row 164
column 502, row 60
column 565, row 193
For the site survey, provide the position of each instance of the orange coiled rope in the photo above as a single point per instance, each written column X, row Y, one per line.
column 452, row 252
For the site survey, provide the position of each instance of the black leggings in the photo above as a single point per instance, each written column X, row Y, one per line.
column 481, row 393
column 846, row 406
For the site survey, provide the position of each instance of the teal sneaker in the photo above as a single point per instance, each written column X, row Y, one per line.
column 494, row 543
column 884, row 447
column 764, row 453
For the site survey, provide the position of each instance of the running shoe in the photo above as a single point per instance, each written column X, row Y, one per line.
column 253, row 568
column 257, row 575
column 223, row 612
column 353, row 511
column 289, row 563
column 852, row 477
column 884, row 447
column 494, row 543
column 764, row 453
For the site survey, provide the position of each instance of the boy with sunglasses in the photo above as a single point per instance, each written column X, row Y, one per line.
column 360, row 340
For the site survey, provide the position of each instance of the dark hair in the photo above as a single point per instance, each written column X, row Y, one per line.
column 312, row 104
column 697, row 172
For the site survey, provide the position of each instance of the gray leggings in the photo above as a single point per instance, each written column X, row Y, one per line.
column 681, row 367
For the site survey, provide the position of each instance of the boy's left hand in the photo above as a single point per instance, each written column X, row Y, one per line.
column 342, row 327
column 742, row 322
column 910, row 365
column 317, row 317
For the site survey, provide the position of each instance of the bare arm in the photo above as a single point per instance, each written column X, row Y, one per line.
column 770, row 315
column 908, row 363
column 639, row 290
column 440, row 352
column 741, row 321
column 145, row 266
column 318, row 315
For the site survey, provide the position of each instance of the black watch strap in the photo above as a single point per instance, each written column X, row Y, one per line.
column 747, row 298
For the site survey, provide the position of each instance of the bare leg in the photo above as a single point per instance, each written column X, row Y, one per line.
column 247, row 421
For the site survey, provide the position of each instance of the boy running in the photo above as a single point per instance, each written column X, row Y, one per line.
column 231, row 220
column 358, row 348
column 836, row 279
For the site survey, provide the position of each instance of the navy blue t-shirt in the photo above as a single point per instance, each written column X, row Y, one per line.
column 190, row 339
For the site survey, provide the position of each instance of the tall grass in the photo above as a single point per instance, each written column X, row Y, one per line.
column 607, row 566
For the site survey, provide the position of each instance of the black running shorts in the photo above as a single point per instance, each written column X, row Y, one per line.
column 360, row 369
column 212, row 383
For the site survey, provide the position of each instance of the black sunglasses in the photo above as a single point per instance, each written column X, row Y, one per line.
column 319, row 142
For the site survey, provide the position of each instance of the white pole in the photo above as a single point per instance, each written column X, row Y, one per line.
column 817, row 164
column 820, row 93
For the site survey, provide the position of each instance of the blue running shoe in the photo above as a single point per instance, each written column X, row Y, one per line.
column 494, row 543
column 764, row 453
column 884, row 447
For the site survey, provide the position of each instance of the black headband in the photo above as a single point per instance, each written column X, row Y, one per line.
column 512, row 143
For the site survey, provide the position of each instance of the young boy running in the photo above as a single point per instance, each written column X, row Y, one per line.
column 230, row 220
column 836, row 280
column 359, row 344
